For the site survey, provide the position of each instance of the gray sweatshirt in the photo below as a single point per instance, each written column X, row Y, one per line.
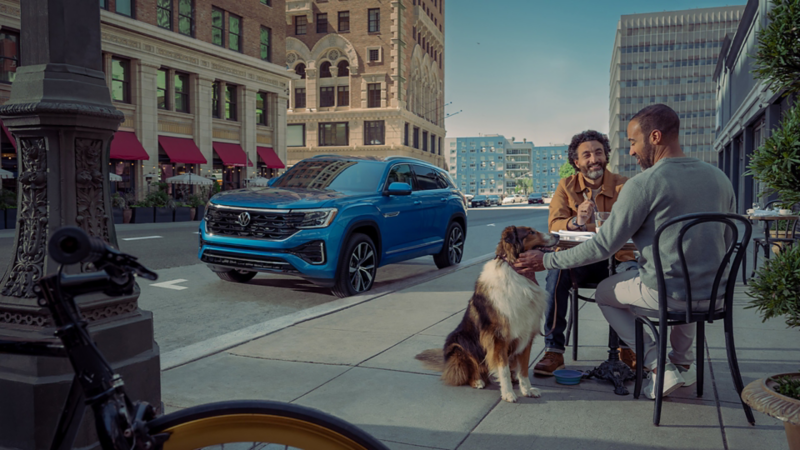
column 671, row 188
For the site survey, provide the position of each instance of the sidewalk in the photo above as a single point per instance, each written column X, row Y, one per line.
column 358, row 364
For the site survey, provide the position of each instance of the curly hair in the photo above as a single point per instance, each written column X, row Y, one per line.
column 586, row 136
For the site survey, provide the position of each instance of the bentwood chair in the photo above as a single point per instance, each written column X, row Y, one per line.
column 787, row 234
column 572, row 322
column 659, row 320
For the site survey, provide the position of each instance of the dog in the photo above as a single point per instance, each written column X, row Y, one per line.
column 502, row 318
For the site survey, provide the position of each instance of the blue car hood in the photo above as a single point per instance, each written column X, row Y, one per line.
column 278, row 198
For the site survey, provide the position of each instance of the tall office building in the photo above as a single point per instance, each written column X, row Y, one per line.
column 668, row 57
column 546, row 163
column 371, row 78
column 488, row 164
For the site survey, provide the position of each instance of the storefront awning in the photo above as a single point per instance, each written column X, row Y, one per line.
column 181, row 150
column 9, row 136
column 126, row 146
column 231, row 154
column 269, row 157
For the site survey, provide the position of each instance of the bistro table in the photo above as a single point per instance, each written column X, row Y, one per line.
column 612, row 369
column 766, row 218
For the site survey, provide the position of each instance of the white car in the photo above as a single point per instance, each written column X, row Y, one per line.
column 509, row 200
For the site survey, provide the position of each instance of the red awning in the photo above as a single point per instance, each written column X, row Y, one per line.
column 126, row 146
column 230, row 154
column 269, row 157
column 181, row 150
column 9, row 136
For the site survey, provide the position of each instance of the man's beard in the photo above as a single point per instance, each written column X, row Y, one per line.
column 646, row 161
column 593, row 174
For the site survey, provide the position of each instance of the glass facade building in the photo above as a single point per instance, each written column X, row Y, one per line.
column 546, row 162
column 489, row 164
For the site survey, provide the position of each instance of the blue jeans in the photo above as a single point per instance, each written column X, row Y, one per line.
column 559, row 294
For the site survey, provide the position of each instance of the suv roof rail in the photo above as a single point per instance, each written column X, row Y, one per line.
column 327, row 156
column 393, row 157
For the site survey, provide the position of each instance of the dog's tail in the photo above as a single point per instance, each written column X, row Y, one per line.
column 432, row 359
column 458, row 366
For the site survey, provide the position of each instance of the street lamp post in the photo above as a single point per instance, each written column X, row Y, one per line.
column 61, row 115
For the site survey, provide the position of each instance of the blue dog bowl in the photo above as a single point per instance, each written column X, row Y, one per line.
column 565, row 376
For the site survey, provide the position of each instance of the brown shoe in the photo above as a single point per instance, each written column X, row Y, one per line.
column 628, row 356
column 550, row 362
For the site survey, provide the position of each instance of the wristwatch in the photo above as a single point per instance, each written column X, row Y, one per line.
column 575, row 224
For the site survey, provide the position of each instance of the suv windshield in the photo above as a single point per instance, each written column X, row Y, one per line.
column 333, row 174
column 535, row 196
column 494, row 197
column 479, row 197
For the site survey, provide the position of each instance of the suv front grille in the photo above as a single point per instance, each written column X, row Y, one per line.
column 273, row 225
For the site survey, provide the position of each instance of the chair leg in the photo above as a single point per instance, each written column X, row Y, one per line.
column 637, row 388
column 661, row 369
column 744, row 268
column 733, row 364
column 574, row 307
column 755, row 258
column 701, row 337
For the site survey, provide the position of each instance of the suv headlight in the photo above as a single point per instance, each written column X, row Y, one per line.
column 316, row 218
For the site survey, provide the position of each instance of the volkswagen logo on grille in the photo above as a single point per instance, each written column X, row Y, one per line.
column 244, row 219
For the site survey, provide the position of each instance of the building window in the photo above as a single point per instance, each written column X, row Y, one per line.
column 104, row 4
column 164, row 14
column 217, row 27
column 433, row 144
column 120, row 80
column 9, row 55
column 300, row 98
column 235, row 33
column 416, row 137
column 344, row 69
column 161, row 89
column 296, row 135
column 343, row 96
column 322, row 23
column 405, row 135
column 182, row 92
column 374, row 54
column 344, row 21
column 186, row 17
column 374, row 95
column 266, row 38
column 326, row 97
column 300, row 23
column 215, row 100
column 424, row 141
column 300, row 69
column 266, row 2
column 373, row 132
column 261, row 109
column 374, row 20
column 334, row 133
column 230, row 102
column 325, row 70
column 125, row 7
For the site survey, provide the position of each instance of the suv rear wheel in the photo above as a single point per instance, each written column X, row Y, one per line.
column 236, row 275
column 453, row 248
column 356, row 271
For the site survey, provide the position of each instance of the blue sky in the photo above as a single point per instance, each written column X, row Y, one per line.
column 535, row 69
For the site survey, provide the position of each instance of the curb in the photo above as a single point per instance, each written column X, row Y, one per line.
column 184, row 355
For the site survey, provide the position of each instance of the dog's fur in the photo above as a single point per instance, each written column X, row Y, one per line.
column 501, row 320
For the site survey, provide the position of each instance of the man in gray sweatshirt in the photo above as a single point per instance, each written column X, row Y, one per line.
column 670, row 185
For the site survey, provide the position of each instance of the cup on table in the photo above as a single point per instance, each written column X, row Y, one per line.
column 785, row 212
column 600, row 217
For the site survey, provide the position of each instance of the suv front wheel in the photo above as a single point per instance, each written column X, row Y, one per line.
column 356, row 272
column 453, row 248
column 236, row 275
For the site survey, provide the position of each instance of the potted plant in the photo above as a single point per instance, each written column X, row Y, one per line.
column 183, row 212
column 196, row 205
column 121, row 208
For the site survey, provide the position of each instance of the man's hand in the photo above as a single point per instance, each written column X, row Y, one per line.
column 530, row 261
column 585, row 211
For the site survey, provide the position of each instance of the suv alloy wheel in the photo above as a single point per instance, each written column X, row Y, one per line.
column 453, row 248
column 356, row 271
column 236, row 275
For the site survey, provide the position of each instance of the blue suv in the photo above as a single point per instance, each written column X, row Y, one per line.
column 334, row 220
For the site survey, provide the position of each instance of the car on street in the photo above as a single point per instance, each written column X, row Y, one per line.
column 479, row 200
column 494, row 200
column 535, row 198
column 468, row 198
column 510, row 200
column 334, row 220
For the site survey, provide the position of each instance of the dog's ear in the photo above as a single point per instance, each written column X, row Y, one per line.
column 510, row 234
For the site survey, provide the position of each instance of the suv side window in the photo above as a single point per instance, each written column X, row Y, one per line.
column 400, row 173
column 427, row 178
column 444, row 180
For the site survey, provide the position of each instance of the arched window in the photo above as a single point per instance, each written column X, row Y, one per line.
column 325, row 70
column 300, row 69
column 344, row 69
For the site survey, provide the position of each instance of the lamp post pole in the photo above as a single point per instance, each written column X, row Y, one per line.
column 61, row 116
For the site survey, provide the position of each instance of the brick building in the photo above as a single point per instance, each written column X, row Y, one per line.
column 202, row 84
column 372, row 78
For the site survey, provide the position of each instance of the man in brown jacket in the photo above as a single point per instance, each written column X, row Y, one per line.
column 593, row 188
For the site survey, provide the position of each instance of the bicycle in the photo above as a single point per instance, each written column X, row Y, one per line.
column 123, row 424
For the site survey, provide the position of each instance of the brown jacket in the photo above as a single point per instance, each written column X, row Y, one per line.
column 569, row 195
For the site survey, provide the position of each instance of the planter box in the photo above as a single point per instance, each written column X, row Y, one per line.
column 165, row 215
column 117, row 214
column 201, row 211
column 2, row 219
column 11, row 218
column 143, row 215
column 183, row 214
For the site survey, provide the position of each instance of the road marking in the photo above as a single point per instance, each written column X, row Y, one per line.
column 490, row 225
column 171, row 284
column 196, row 232
column 140, row 238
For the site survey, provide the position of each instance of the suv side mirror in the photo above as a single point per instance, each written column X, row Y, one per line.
column 398, row 189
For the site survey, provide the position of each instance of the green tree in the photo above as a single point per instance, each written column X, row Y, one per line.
column 524, row 185
column 566, row 170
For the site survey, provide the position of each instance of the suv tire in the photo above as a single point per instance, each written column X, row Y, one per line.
column 453, row 248
column 357, row 267
column 236, row 275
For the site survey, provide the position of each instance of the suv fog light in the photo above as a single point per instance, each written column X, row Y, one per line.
column 311, row 252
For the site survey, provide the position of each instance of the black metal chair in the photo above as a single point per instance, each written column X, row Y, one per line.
column 572, row 323
column 787, row 234
column 666, row 318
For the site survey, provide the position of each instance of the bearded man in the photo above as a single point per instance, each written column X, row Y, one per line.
column 593, row 188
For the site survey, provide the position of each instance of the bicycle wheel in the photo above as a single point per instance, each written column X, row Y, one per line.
column 256, row 424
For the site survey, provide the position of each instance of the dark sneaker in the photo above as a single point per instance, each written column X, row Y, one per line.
column 628, row 356
column 550, row 362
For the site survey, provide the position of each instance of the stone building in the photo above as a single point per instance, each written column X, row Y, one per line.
column 371, row 78
column 202, row 84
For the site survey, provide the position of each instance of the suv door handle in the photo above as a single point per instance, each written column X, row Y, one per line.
column 444, row 199
column 417, row 202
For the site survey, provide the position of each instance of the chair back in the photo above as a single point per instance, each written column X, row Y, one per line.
column 731, row 260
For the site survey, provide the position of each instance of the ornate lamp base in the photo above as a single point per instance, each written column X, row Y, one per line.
column 614, row 371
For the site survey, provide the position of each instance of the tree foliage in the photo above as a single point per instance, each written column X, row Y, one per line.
column 524, row 185
column 777, row 60
column 566, row 170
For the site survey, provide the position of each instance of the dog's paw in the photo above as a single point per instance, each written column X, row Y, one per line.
column 531, row 392
column 509, row 397
column 478, row 384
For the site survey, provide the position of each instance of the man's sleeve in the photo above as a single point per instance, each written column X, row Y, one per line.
column 560, row 212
